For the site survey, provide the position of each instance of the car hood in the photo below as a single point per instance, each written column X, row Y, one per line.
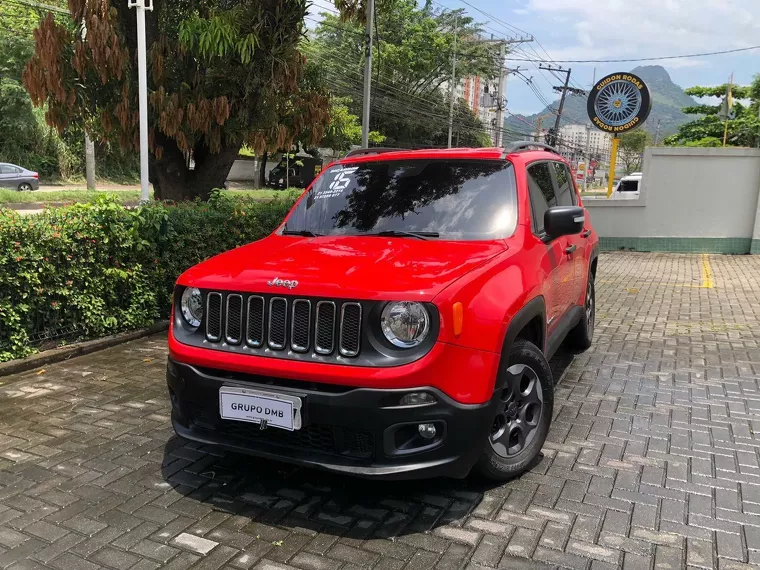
column 343, row 267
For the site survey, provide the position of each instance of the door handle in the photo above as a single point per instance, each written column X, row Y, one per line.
column 569, row 250
column 586, row 234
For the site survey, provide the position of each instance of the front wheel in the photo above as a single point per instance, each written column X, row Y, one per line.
column 523, row 414
column 24, row 187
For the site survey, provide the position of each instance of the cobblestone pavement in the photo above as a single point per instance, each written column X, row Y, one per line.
column 652, row 460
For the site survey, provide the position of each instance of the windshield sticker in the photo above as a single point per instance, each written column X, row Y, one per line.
column 340, row 181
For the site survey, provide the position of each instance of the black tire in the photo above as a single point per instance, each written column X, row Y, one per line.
column 583, row 333
column 24, row 187
column 521, row 406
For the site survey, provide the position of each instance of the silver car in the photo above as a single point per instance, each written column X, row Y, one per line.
column 12, row 176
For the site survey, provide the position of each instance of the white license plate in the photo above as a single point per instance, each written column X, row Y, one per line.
column 244, row 405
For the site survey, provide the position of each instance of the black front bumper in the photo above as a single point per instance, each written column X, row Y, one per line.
column 357, row 431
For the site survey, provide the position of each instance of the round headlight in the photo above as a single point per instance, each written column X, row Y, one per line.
column 405, row 324
column 192, row 306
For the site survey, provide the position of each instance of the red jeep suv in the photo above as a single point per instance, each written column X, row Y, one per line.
column 398, row 323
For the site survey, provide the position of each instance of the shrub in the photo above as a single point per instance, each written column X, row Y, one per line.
column 89, row 270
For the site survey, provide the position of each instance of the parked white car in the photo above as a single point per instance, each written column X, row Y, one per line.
column 628, row 187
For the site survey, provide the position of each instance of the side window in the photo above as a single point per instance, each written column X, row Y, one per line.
column 542, row 197
column 5, row 169
column 565, row 188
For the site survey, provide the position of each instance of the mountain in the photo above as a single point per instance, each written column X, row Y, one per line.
column 667, row 101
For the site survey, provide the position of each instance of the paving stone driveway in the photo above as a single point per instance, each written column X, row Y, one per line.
column 652, row 460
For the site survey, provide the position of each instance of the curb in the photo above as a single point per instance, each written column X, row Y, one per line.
column 34, row 205
column 19, row 206
column 79, row 349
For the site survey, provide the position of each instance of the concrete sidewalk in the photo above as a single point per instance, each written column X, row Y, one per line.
column 652, row 460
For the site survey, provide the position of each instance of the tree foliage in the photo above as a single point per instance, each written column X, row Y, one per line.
column 221, row 73
column 25, row 138
column 22, row 137
column 345, row 129
column 631, row 150
column 707, row 130
column 411, row 69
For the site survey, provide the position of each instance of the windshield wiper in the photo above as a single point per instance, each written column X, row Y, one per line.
column 401, row 233
column 302, row 233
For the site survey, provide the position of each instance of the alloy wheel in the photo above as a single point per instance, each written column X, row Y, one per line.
column 519, row 411
column 590, row 307
column 25, row 187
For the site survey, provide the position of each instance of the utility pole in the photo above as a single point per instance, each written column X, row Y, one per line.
column 367, row 73
column 89, row 161
column 657, row 133
column 142, row 80
column 540, row 122
column 587, row 157
column 501, row 104
column 502, row 95
column 564, row 89
column 452, row 93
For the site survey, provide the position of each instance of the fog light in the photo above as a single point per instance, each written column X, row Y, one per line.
column 417, row 399
column 427, row 431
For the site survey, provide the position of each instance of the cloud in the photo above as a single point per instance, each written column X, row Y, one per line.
column 615, row 29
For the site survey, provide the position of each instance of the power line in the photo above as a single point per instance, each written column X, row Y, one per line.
column 494, row 18
column 660, row 58
column 330, row 9
column 479, row 24
column 31, row 4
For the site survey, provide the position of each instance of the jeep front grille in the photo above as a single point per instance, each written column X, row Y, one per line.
column 278, row 322
column 324, row 327
column 255, row 323
column 324, row 336
column 214, row 317
column 234, row 328
column 350, row 328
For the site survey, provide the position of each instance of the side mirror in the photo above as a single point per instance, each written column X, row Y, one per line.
column 563, row 221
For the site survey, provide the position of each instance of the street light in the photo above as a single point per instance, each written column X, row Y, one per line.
column 142, row 91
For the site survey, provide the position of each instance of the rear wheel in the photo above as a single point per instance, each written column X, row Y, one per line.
column 523, row 414
column 25, row 187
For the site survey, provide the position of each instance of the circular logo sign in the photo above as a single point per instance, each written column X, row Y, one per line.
column 619, row 103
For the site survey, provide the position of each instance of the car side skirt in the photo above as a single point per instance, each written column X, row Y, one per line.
column 565, row 325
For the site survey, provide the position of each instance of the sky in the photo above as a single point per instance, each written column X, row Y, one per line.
column 617, row 29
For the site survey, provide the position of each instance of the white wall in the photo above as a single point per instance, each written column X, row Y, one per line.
column 687, row 192
column 248, row 170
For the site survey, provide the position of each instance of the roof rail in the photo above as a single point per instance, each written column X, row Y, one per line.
column 525, row 145
column 371, row 150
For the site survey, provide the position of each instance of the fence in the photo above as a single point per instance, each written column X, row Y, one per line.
column 691, row 199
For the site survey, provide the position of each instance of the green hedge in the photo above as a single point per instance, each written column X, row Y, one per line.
column 90, row 270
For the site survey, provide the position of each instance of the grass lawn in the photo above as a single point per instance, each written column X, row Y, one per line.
column 12, row 196
column 125, row 196
column 266, row 193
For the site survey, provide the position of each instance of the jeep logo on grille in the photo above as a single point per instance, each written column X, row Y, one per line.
column 277, row 282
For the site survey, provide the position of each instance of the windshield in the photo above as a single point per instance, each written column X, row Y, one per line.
column 457, row 199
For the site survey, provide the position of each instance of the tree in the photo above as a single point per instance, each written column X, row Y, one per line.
column 708, row 128
column 15, row 51
column 411, row 69
column 222, row 73
column 344, row 129
column 631, row 150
